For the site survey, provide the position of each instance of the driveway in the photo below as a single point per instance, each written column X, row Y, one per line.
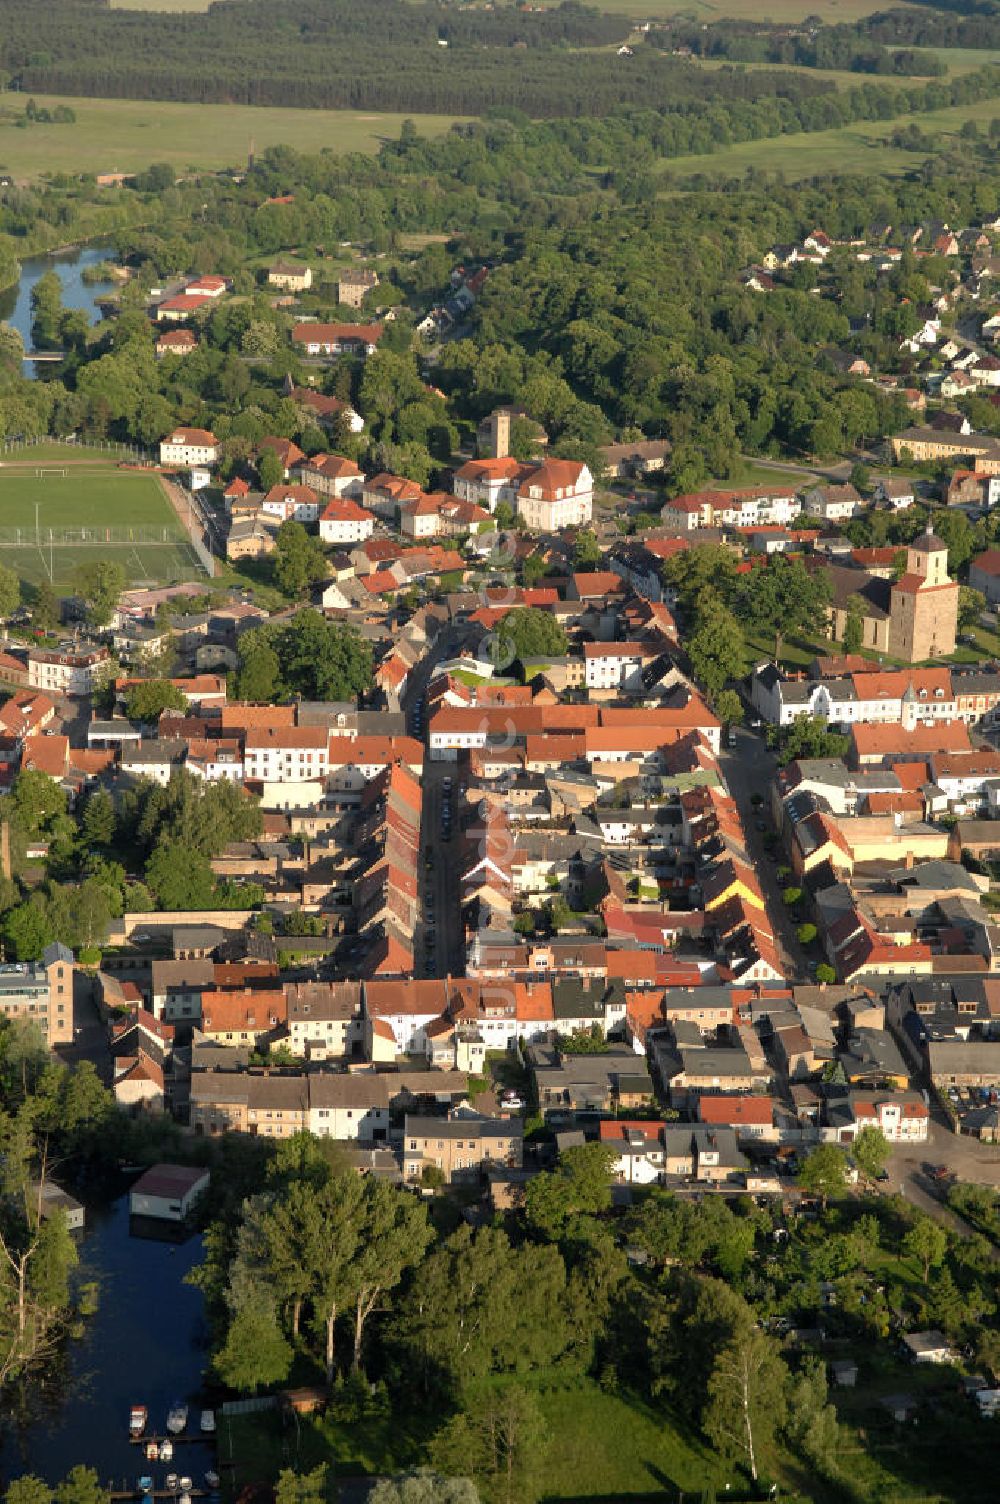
column 968, row 1159
column 749, row 768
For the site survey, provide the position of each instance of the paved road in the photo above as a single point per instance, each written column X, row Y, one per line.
column 439, row 887
column 447, row 957
column 749, row 769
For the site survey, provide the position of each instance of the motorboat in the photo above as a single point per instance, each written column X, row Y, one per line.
column 183, row 1499
column 166, row 1450
column 208, row 1422
column 137, row 1418
column 152, row 1451
column 145, row 1484
column 170, row 1483
column 211, row 1479
column 177, row 1417
column 185, row 1485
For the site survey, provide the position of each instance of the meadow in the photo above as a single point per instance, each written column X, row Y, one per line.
column 782, row 11
column 126, row 135
column 860, row 147
column 125, row 514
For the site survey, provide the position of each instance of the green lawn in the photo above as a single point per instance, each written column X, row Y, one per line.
column 126, row 135
column 747, row 473
column 851, row 148
column 125, row 512
column 601, row 1446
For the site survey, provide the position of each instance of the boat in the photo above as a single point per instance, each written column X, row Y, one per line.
column 137, row 1418
column 183, row 1499
column 170, row 1483
column 152, row 1451
column 211, row 1479
column 208, row 1421
column 177, row 1417
column 185, row 1485
column 166, row 1450
column 145, row 1484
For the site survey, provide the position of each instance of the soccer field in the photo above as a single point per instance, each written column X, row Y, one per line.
column 61, row 509
column 79, row 495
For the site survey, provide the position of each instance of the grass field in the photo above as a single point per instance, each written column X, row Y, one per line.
column 601, row 1447
column 860, row 147
column 957, row 60
column 833, row 11
column 140, row 528
column 126, row 135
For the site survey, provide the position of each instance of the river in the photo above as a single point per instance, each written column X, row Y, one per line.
column 145, row 1345
column 15, row 302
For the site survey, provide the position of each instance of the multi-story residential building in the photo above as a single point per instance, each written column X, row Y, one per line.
column 66, row 671
column 324, row 1019
column 248, row 1016
column 347, row 1107
column 557, row 494
column 336, row 339
column 616, row 666
column 291, row 504
column 290, row 276
column 331, row 475
column 343, row 521
column 286, row 754
column 41, row 993
column 189, row 446
column 277, row 1106
column 461, row 1146
column 353, row 284
column 176, row 989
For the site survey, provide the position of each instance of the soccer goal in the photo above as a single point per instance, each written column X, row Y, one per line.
column 43, row 474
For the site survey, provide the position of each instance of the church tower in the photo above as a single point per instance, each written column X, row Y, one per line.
column 923, row 608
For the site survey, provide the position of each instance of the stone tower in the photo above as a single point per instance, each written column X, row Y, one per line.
column 923, row 604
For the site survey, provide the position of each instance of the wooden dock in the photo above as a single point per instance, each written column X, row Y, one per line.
column 159, row 1493
column 207, row 1438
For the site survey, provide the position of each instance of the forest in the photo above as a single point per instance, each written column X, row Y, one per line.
column 383, row 54
column 392, row 55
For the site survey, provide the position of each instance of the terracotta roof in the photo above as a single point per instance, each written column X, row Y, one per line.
column 333, row 465
column 941, row 736
column 46, row 754
column 192, row 438
column 342, row 509
column 758, row 1111
column 309, row 333
column 551, row 477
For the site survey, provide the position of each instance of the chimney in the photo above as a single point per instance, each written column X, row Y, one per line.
column 500, row 433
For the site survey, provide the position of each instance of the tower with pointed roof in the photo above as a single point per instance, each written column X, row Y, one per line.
column 923, row 603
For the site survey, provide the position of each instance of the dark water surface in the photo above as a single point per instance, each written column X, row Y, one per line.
column 145, row 1345
column 15, row 302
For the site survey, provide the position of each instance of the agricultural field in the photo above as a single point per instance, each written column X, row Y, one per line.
column 61, row 507
column 859, row 147
column 126, row 135
column 957, row 60
column 782, row 11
